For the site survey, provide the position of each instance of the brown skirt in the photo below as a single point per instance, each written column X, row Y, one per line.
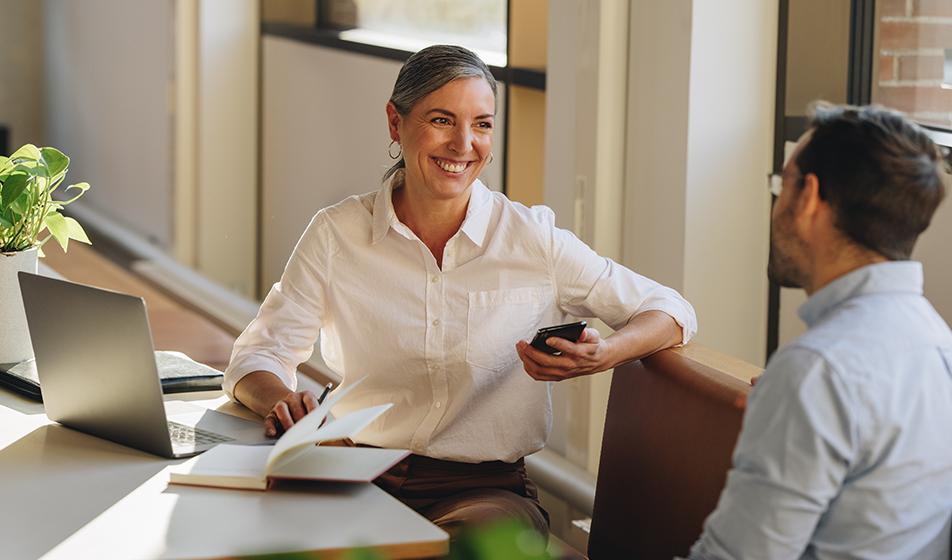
column 456, row 495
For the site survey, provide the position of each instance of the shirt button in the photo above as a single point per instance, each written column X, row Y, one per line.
column 434, row 279
column 436, row 322
column 438, row 404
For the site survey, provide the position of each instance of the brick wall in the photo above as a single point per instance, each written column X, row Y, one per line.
column 915, row 45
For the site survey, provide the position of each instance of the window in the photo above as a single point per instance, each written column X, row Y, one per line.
column 410, row 25
column 897, row 53
column 913, row 47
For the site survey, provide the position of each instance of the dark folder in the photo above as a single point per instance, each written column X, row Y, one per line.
column 177, row 372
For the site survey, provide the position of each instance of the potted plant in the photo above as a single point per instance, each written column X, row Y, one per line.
column 29, row 217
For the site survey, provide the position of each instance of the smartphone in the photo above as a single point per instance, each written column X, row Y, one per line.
column 568, row 331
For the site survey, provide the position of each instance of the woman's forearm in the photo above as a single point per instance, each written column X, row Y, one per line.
column 644, row 335
column 260, row 390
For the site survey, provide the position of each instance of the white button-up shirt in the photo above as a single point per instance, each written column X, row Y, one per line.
column 440, row 343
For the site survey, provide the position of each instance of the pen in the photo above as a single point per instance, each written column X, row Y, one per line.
column 279, row 429
column 327, row 389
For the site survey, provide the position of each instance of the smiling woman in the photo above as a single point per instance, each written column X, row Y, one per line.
column 429, row 288
column 441, row 115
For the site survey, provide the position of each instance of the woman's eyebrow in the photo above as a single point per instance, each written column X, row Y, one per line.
column 452, row 114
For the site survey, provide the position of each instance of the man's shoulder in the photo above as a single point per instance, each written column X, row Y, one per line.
column 796, row 361
column 876, row 329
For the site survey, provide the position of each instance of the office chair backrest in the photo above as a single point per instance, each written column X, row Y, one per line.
column 669, row 435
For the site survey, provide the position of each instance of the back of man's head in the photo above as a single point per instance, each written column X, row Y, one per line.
column 881, row 174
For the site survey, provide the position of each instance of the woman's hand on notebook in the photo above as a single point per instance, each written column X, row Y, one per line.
column 264, row 393
column 289, row 410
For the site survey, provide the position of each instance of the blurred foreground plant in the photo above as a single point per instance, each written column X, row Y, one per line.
column 503, row 540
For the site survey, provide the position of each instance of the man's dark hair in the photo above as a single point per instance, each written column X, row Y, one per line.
column 880, row 172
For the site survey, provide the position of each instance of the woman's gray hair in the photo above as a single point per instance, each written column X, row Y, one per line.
column 428, row 70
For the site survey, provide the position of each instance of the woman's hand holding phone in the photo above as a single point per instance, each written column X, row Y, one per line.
column 588, row 355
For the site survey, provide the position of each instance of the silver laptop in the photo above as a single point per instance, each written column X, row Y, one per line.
column 97, row 371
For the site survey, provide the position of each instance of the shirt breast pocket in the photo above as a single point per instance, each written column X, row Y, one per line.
column 497, row 319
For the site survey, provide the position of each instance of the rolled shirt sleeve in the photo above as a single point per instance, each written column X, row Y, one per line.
column 590, row 285
column 794, row 452
column 283, row 334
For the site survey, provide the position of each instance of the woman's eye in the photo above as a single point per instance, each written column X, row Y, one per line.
column 484, row 124
column 440, row 120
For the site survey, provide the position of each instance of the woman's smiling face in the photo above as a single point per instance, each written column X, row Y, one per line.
column 447, row 137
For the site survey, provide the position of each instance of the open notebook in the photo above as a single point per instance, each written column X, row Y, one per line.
column 296, row 454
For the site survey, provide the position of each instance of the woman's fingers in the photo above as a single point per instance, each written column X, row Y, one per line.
column 586, row 346
column 283, row 416
column 590, row 336
column 271, row 426
column 544, row 359
column 295, row 406
column 542, row 366
column 289, row 410
column 310, row 401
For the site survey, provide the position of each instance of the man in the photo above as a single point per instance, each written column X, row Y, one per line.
column 846, row 447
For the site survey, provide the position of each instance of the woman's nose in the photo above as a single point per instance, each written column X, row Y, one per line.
column 462, row 139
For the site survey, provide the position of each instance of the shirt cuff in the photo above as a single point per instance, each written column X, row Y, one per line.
column 683, row 315
column 249, row 364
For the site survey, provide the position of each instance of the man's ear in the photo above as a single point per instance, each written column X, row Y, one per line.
column 809, row 206
column 393, row 121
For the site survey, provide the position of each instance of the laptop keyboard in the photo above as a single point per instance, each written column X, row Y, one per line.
column 188, row 435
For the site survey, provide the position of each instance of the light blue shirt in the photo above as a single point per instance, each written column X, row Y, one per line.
column 846, row 447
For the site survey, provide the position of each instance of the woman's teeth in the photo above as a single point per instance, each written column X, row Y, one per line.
column 450, row 166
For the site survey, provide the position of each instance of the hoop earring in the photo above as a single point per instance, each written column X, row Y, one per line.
column 390, row 150
column 490, row 158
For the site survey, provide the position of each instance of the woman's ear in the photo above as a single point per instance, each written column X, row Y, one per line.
column 393, row 121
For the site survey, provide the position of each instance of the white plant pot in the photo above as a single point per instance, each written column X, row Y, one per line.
column 15, row 344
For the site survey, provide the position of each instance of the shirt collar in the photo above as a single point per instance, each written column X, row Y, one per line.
column 475, row 224
column 885, row 277
column 384, row 217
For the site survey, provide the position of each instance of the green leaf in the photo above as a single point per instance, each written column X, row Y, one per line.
column 83, row 187
column 5, row 164
column 76, row 231
column 21, row 206
column 56, row 223
column 13, row 187
column 28, row 151
column 56, row 161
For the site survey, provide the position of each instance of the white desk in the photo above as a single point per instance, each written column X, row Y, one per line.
column 65, row 494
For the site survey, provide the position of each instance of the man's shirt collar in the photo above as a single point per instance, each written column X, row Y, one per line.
column 885, row 277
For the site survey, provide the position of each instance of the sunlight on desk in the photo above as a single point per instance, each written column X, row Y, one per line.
column 66, row 494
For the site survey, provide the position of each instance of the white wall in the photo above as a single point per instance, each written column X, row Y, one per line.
column 933, row 250
column 818, row 55
column 730, row 152
column 658, row 124
column 324, row 137
column 701, row 99
column 21, row 58
column 227, row 142
column 108, row 68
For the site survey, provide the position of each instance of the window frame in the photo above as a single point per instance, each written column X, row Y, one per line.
column 859, row 92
